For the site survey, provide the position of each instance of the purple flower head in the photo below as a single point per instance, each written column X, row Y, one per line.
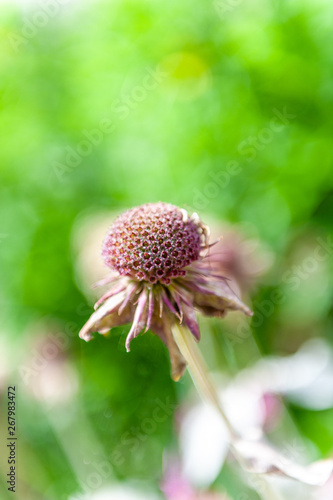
column 153, row 242
column 161, row 274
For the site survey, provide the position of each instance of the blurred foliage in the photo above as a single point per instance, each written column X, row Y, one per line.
column 250, row 84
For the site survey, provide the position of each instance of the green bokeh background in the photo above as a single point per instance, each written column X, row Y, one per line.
column 224, row 74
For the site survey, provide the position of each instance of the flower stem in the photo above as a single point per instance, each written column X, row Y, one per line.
column 198, row 371
column 207, row 390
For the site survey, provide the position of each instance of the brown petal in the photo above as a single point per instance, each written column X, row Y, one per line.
column 190, row 321
column 162, row 328
column 106, row 317
column 139, row 320
column 218, row 299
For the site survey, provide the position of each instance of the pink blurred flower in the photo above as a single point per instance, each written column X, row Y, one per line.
column 176, row 487
column 239, row 258
column 45, row 367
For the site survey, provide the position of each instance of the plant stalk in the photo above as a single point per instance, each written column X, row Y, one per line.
column 207, row 390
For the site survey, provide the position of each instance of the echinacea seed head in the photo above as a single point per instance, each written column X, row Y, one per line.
column 153, row 242
column 160, row 243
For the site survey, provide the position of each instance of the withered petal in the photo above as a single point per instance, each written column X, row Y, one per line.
column 106, row 317
column 162, row 328
column 190, row 320
column 218, row 299
column 139, row 320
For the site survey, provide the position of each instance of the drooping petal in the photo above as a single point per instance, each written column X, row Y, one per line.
column 179, row 305
column 216, row 298
column 160, row 304
column 185, row 296
column 112, row 277
column 151, row 303
column 168, row 303
column 130, row 292
column 190, row 321
column 139, row 319
column 107, row 317
column 114, row 291
column 162, row 328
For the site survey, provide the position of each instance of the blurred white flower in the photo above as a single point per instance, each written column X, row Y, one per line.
column 261, row 458
column 204, row 445
column 326, row 492
column 305, row 377
column 118, row 492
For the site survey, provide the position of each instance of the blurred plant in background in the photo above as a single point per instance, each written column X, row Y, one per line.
column 224, row 109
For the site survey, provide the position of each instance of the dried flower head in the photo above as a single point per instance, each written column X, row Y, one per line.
column 160, row 275
column 153, row 242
